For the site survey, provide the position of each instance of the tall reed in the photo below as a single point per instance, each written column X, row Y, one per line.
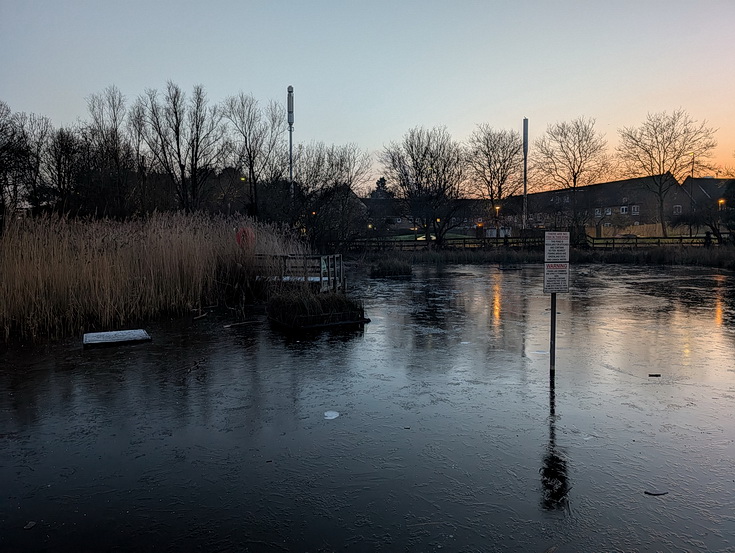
column 62, row 276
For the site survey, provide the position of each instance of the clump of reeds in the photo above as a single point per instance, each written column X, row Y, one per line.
column 61, row 276
column 391, row 267
column 302, row 308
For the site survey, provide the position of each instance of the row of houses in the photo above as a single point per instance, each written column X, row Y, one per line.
column 604, row 209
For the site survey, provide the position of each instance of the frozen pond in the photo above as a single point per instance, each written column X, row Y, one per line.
column 435, row 428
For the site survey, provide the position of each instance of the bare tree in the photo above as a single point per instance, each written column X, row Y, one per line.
column 666, row 148
column 185, row 139
column 259, row 140
column 495, row 159
column 326, row 179
column 113, row 160
column 427, row 171
column 12, row 157
column 570, row 155
column 61, row 162
column 36, row 132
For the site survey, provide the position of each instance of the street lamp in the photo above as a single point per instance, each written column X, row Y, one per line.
column 289, row 102
column 497, row 221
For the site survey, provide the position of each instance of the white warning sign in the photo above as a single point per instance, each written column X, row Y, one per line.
column 556, row 263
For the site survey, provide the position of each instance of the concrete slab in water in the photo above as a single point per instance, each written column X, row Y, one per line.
column 115, row 337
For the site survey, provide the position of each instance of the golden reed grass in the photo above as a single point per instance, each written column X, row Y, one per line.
column 60, row 276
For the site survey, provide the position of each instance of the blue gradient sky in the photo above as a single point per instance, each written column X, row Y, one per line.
column 367, row 71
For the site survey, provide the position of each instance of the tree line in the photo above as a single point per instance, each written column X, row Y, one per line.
column 171, row 150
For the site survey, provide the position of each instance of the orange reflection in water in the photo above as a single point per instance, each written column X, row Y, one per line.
column 720, row 281
column 496, row 300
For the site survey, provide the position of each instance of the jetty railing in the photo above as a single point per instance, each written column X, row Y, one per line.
column 321, row 272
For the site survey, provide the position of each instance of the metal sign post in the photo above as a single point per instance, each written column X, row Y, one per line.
column 556, row 280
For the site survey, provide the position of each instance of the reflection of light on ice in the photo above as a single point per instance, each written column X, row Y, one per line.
column 496, row 304
column 719, row 280
column 329, row 415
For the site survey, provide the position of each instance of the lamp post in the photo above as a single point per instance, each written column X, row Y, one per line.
column 691, row 196
column 497, row 222
column 290, row 139
column 525, row 173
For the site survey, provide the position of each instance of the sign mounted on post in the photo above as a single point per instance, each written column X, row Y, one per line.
column 556, row 263
column 556, row 281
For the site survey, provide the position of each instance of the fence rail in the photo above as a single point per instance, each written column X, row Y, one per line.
column 527, row 242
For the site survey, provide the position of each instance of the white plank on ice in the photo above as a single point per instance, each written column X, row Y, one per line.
column 115, row 337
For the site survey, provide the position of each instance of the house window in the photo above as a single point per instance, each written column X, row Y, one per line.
column 677, row 209
column 566, row 199
column 398, row 219
column 608, row 211
column 623, row 209
column 598, row 212
column 479, row 220
column 608, row 224
column 635, row 210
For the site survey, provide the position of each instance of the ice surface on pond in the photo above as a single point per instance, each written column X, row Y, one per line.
column 456, row 438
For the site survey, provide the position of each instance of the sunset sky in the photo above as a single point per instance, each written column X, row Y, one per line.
column 365, row 72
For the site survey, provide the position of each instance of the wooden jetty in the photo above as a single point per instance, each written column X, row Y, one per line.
column 115, row 337
column 324, row 273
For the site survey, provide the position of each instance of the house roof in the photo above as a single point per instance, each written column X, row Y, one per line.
column 621, row 192
column 702, row 191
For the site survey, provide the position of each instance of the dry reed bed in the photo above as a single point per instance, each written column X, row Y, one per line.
column 61, row 277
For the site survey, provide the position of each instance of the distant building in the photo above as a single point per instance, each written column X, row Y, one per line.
column 604, row 209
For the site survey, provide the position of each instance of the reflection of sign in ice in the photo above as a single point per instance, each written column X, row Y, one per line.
column 556, row 278
column 556, row 247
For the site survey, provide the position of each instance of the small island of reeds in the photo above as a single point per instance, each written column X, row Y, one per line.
column 391, row 267
column 302, row 309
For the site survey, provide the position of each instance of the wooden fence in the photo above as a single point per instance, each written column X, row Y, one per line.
column 528, row 242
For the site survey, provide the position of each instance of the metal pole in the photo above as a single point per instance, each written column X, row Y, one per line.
column 290, row 140
column 552, row 340
column 525, row 172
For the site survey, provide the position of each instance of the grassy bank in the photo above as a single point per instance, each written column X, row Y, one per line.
column 721, row 256
column 61, row 277
column 453, row 257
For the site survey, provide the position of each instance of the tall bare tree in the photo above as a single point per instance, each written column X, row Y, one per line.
column 427, row 171
column 113, row 160
column 495, row 159
column 62, row 162
column 185, row 139
column 666, row 147
column 327, row 178
column 36, row 130
column 259, row 140
column 12, row 158
column 570, row 155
